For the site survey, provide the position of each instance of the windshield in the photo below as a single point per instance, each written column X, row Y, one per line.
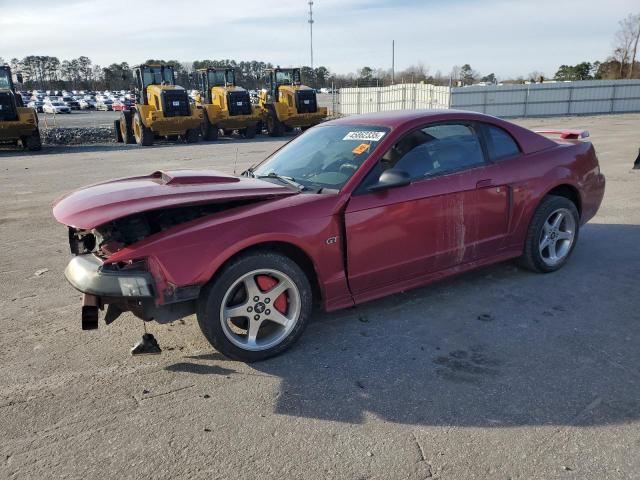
column 4, row 79
column 217, row 78
column 287, row 77
column 157, row 75
column 324, row 157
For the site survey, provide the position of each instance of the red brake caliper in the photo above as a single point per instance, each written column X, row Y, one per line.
column 266, row 283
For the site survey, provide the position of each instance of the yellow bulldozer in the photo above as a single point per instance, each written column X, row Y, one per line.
column 287, row 103
column 162, row 109
column 17, row 122
column 227, row 107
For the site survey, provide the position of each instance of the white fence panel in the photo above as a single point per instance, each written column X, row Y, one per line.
column 354, row 101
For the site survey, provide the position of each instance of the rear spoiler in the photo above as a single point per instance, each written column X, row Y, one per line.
column 566, row 134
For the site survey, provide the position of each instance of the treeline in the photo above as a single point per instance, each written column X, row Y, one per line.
column 50, row 73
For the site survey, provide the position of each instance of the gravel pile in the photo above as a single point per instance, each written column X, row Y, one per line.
column 77, row 136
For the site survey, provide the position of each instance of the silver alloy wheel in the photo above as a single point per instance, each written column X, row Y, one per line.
column 261, row 326
column 557, row 236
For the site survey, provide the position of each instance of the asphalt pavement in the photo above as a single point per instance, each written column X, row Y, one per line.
column 499, row 373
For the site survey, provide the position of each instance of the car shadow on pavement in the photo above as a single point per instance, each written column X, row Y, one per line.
column 496, row 347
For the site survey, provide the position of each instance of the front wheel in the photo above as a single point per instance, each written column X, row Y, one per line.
column 192, row 135
column 257, row 306
column 552, row 235
column 142, row 134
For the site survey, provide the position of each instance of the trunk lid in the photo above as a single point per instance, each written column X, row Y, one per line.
column 98, row 204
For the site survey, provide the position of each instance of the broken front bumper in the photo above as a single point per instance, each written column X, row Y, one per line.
column 124, row 290
column 88, row 274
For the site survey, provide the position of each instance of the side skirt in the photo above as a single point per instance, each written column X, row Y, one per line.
column 432, row 277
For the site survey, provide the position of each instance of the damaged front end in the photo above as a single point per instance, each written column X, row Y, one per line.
column 131, row 286
column 110, row 223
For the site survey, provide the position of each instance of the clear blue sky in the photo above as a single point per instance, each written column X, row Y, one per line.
column 509, row 38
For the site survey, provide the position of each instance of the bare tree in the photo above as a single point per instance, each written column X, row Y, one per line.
column 634, row 25
column 626, row 43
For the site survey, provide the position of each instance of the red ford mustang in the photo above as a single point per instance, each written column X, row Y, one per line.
column 352, row 210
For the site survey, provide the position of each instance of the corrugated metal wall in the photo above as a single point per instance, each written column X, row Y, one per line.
column 354, row 101
column 542, row 100
column 548, row 99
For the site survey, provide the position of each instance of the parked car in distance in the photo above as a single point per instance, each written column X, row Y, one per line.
column 351, row 210
column 87, row 104
column 71, row 103
column 55, row 107
column 37, row 104
column 120, row 105
column 104, row 105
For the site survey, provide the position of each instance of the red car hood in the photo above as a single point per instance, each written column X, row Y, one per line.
column 101, row 203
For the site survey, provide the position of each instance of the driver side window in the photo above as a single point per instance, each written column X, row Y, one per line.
column 435, row 150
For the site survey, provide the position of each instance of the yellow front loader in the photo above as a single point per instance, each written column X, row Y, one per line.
column 162, row 109
column 17, row 122
column 227, row 107
column 287, row 103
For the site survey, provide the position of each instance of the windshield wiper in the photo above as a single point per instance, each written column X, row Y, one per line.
column 288, row 180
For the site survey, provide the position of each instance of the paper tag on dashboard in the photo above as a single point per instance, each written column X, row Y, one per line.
column 360, row 149
column 371, row 136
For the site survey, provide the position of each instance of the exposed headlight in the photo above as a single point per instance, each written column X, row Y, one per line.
column 134, row 286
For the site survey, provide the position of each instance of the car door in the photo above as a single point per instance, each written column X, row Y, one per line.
column 451, row 213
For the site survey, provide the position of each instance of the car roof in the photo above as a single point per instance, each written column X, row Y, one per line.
column 403, row 120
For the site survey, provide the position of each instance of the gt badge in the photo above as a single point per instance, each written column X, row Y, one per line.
column 331, row 240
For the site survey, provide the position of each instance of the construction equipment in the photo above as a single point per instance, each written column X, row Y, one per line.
column 227, row 106
column 17, row 122
column 162, row 109
column 287, row 103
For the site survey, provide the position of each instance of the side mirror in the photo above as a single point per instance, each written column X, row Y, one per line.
column 391, row 178
column 19, row 77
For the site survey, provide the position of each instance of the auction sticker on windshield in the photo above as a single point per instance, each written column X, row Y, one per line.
column 372, row 136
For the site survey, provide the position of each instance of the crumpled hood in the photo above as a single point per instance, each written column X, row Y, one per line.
column 98, row 204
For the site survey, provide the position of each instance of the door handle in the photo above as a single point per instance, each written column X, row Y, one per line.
column 484, row 183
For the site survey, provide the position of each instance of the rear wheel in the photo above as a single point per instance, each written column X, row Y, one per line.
column 143, row 135
column 192, row 135
column 118, row 132
column 126, row 129
column 209, row 131
column 33, row 142
column 275, row 127
column 552, row 235
column 257, row 306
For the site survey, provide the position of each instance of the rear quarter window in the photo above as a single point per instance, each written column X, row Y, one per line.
column 500, row 143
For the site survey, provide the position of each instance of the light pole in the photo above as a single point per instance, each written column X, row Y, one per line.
column 311, row 29
column 393, row 62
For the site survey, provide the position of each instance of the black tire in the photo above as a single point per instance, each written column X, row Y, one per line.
column 275, row 128
column 260, row 127
column 212, row 295
column 126, row 128
column 33, row 142
column 304, row 129
column 192, row 135
column 249, row 132
column 532, row 257
column 118, row 133
column 227, row 132
column 209, row 131
column 142, row 134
